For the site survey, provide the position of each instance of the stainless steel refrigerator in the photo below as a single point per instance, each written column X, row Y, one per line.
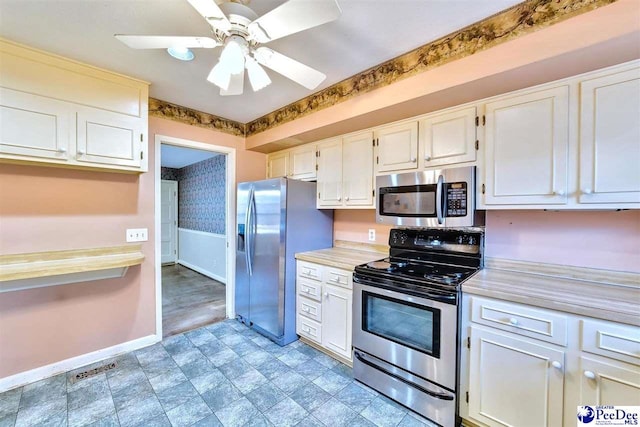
column 276, row 219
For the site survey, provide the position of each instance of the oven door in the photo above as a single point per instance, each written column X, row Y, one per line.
column 416, row 334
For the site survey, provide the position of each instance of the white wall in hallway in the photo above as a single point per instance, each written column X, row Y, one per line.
column 203, row 252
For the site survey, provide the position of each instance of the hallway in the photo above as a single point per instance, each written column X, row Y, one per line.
column 189, row 300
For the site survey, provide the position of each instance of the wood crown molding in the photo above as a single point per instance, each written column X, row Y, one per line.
column 519, row 20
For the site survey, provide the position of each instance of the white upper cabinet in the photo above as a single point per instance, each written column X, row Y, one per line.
column 397, row 147
column 527, row 139
column 108, row 138
column 610, row 138
column 302, row 162
column 278, row 165
column 34, row 126
column 357, row 169
column 448, row 138
column 330, row 173
column 90, row 118
column 297, row 163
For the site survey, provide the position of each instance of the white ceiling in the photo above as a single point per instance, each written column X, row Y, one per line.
column 368, row 32
column 179, row 157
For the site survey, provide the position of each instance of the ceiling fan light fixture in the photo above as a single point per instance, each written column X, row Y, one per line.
column 258, row 77
column 220, row 76
column 181, row 53
column 233, row 54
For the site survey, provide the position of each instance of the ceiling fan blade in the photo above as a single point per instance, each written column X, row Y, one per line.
column 236, row 85
column 164, row 42
column 290, row 68
column 212, row 13
column 292, row 17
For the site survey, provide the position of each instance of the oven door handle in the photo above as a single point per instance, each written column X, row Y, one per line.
column 399, row 378
column 448, row 299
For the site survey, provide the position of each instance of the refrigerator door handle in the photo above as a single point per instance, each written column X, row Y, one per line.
column 247, row 222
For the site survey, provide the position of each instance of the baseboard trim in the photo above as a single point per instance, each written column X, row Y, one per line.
column 203, row 271
column 26, row 377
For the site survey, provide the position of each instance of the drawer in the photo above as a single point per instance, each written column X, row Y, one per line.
column 613, row 340
column 309, row 329
column 520, row 319
column 309, row 308
column 309, row 288
column 337, row 277
column 309, row 270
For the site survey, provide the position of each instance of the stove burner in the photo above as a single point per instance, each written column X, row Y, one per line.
column 385, row 264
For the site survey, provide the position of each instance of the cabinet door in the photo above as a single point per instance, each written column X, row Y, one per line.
column 278, row 165
column 109, row 138
column 336, row 320
column 397, row 147
column 329, row 181
column 512, row 382
column 527, row 149
column 448, row 138
column 610, row 139
column 357, row 169
column 613, row 383
column 303, row 162
column 34, row 126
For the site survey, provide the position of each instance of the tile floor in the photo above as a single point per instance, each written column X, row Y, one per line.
column 223, row 374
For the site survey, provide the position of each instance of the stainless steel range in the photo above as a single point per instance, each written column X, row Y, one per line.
column 405, row 318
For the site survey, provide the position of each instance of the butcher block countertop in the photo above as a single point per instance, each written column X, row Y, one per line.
column 603, row 294
column 345, row 255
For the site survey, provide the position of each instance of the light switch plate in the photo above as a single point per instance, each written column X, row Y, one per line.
column 137, row 234
column 372, row 235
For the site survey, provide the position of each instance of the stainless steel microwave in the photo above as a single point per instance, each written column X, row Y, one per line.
column 433, row 198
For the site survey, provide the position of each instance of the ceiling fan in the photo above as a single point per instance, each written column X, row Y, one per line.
column 242, row 33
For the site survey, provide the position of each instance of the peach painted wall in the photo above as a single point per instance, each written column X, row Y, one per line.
column 44, row 209
column 607, row 240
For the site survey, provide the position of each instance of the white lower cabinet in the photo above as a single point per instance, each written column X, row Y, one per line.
column 513, row 373
column 323, row 307
column 513, row 381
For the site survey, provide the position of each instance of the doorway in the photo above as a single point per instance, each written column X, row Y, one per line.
column 195, row 205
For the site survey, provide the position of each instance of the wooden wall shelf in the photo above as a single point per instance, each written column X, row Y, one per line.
column 39, row 269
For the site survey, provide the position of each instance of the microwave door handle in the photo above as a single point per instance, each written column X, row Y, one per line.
column 439, row 200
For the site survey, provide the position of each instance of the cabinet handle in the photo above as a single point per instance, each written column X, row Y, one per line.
column 590, row 375
column 326, row 294
column 347, row 198
column 306, row 309
column 62, row 150
column 306, row 329
column 339, row 198
column 513, row 321
column 427, row 158
column 559, row 193
column 556, row 364
column 307, row 272
column 80, row 153
column 336, row 279
column 587, row 191
column 306, row 290
column 413, row 160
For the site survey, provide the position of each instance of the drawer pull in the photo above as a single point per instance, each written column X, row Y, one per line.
column 306, row 330
column 556, row 364
column 326, row 294
column 307, row 272
column 306, row 290
column 62, row 150
column 513, row 321
column 306, row 309
column 590, row 375
column 336, row 279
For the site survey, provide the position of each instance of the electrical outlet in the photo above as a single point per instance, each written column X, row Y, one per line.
column 372, row 235
column 137, row 235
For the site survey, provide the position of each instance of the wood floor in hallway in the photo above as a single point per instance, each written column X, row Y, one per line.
column 189, row 300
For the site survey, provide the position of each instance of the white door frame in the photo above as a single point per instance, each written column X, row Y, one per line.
column 174, row 226
column 230, row 200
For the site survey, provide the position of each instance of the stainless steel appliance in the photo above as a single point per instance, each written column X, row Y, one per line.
column 405, row 318
column 276, row 218
column 433, row 198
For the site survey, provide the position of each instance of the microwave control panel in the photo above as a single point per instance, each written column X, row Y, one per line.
column 456, row 199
